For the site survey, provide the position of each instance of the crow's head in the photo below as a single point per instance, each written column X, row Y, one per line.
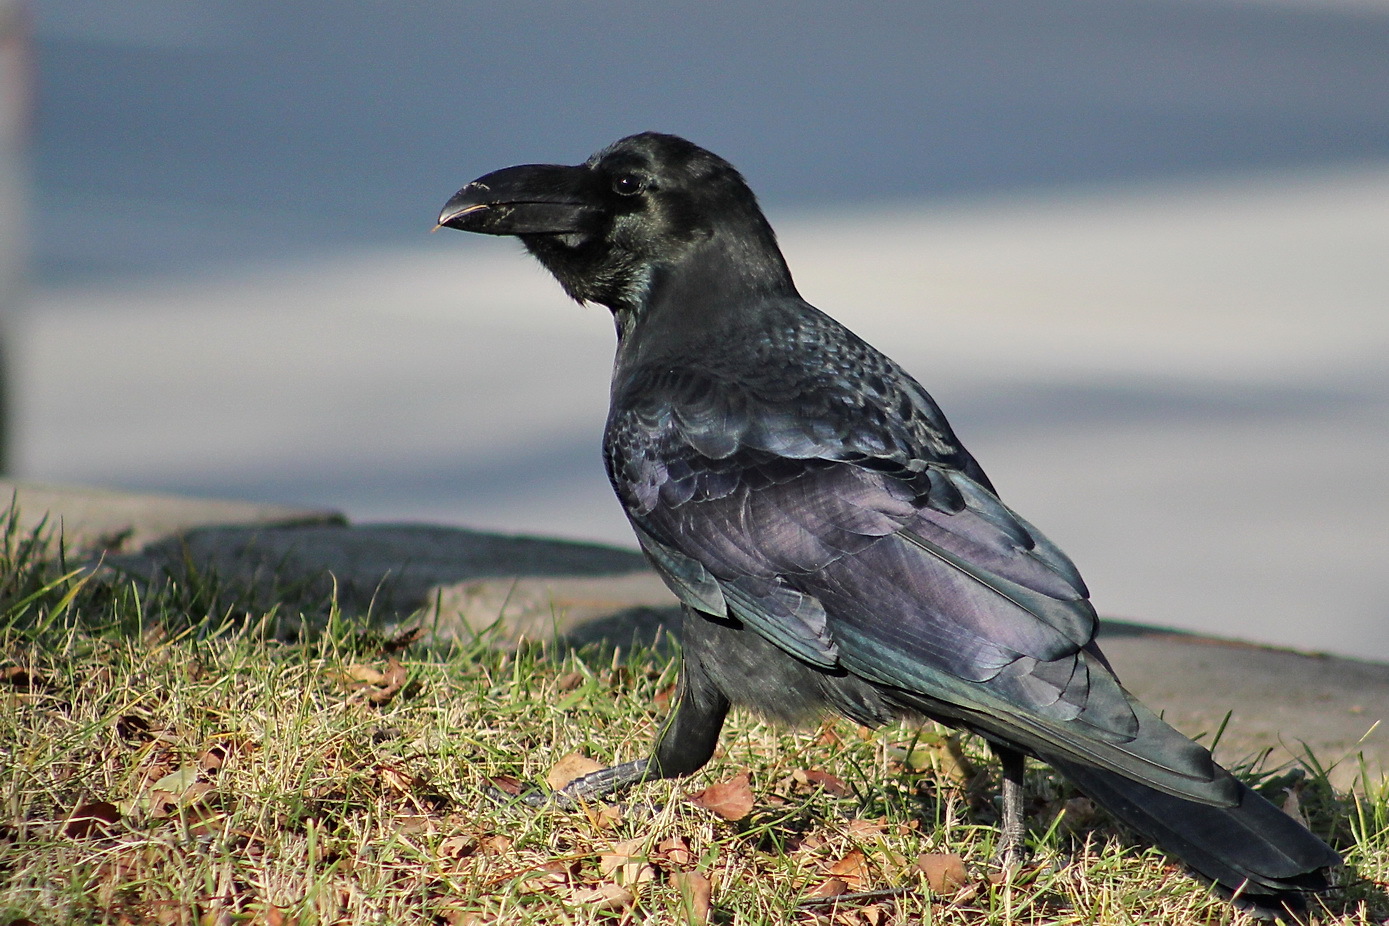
column 647, row 210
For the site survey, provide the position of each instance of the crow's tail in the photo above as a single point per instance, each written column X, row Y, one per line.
column 1250, row 849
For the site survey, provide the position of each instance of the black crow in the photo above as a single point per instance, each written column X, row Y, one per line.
column 834, row 545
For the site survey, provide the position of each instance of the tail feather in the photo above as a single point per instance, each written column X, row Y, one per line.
column 1251, row 848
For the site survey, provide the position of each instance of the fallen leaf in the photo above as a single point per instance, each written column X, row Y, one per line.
column 457, row 846
column 574, row 765
column 893, row 864
column 355, row 676
column 396, row 674
column 663, row 697
column 1078, row 814
column 495, row 844
column 402, row 639
column 624, row 860
column 945, row 871
column 459, row 916
column 939, row 751
column 675, row 852
column 398, row 779
column 99, row 819
column 19, row 677
column 852, row 868
column 830, row 888
column 410, row 823
column 603, row 816
column 871, row 915
column 832, row 784
column 177, row 790
column 506, row 784
column 215, row 756
column 137, row 726
column 547, row 877
column 374, row 685
column 697, row 892
column 731, row 799
column 604, row 897
column 860, row 828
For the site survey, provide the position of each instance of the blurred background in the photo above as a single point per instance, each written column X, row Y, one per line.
column 1139, row 252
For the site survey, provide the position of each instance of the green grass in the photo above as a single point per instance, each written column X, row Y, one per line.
column 167, row 755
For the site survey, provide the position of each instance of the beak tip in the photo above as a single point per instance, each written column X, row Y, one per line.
column 453, row 213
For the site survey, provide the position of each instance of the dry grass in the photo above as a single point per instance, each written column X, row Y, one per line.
column 164, row 758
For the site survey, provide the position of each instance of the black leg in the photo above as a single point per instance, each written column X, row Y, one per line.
column 1012, row 845
column 691, row 734
column 686, row 743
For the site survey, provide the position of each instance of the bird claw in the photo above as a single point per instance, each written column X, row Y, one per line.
column 1011, row 856
column 586, row 789
column 532, row 797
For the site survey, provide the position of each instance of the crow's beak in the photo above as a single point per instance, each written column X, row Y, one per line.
column 533, row 199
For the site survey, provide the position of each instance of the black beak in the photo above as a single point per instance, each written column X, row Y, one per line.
column 532, row 199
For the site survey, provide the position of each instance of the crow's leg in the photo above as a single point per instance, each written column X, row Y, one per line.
column 686, row 743
column 1012, row 845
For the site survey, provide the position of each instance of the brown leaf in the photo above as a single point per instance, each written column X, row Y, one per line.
column 395, row 675
column 457, row 846
column 215, row 756
column 674, row 852
column 20, row 677
column 135, row 726
column 833, row 785
column 945, row 871
column 410, row 823
column 506, row 784
column 457, row 916
column 98, row 818
column 625, row 862
column 871, row 915
column 603, row 816
column 697, row 893
column 620, row 854
column 604, row 897
column 939, row 751
column 495, row 844
column 860, row 828
column 547, row 877
column 569, row 681
column 374, row 685
column 177, row 790
column 852, row 868
column 830, row 888
column 663, row 697
column 731, row 799
column 402, row 639
column 358, row 675
column 574, row 765
column 398, row 779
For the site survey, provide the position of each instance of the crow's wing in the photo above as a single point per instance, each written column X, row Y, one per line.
column 904, row 570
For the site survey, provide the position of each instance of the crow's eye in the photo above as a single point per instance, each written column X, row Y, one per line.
column 627, row 185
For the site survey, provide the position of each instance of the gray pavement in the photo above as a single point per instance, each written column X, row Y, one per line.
column 457, row 581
